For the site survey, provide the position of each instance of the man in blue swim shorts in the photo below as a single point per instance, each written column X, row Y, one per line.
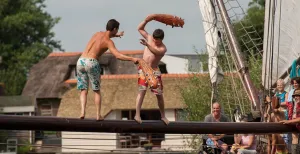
column 88, row 67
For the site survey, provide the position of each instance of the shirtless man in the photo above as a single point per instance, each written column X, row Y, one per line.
column 88, row 67
column 153, row 52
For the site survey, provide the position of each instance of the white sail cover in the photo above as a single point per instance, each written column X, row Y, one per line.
column 285, row 46
column 209, row 20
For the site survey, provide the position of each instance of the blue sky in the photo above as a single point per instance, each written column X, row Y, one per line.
column 80, row 19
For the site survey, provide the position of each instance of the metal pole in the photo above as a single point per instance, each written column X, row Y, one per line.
column 13, row 122
column 236, row 51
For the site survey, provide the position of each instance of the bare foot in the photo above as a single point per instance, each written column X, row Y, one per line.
column 81, row 116
column 99, row 118
column 165, row 120
column 138, row 119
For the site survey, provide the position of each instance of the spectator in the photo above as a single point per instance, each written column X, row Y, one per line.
column 296, row 118
column 214, row 140
column 283, row 97
column 244, row 143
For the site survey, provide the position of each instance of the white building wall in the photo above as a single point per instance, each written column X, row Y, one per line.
column 102, row 142
column 175, row 142
column 17, row 109
column 175, row 64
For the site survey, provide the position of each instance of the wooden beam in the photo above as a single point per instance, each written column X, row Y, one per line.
column 12, row 122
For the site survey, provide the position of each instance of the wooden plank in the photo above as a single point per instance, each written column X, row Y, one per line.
column 13, row 122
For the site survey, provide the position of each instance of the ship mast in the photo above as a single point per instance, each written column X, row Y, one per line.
column 235, row 50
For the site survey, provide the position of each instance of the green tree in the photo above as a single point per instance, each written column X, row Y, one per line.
column 25, row 38
column 260, row 3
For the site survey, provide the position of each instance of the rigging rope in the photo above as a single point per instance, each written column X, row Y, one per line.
column 278, row 43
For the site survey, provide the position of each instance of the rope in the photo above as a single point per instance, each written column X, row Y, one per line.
column 233, row 82
column 248, row 33
column 266, row 57
column 278, row 43
column 272, row 50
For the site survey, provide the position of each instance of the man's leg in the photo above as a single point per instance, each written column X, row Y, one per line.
column 281, row 139
column 160, row 98
column 83, row 100
column 139, row 102
column 269, row 148
column 142, row 87
column 161, row 105
column 294, row 143
column 82, row 85
column 98, row 104
column 94, row 70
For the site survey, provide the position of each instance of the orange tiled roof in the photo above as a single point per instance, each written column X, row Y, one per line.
column 65, row 54
column 132, row 76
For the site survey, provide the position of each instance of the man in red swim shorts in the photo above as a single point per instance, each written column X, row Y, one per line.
column 153, row 52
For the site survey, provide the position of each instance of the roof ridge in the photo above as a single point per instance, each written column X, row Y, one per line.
column 76, row 53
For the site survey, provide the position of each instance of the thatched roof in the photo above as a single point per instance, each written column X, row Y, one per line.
column 119, row 92
column 46, row 78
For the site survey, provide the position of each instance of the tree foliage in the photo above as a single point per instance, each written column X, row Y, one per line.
column 25, row 38
column 251, row 24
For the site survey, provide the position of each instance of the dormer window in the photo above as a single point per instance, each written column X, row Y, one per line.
column 104, row 70
column 72, row 72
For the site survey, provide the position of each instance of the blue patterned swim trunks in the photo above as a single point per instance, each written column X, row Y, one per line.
column 88, row 69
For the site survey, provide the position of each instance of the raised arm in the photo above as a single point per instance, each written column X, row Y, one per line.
column 118, row 55
column 141, row 26
column 141, row 29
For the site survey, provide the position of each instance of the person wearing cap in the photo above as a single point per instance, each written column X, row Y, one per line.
column 296, row 116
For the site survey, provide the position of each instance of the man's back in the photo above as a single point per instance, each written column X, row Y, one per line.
column 96, row 46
